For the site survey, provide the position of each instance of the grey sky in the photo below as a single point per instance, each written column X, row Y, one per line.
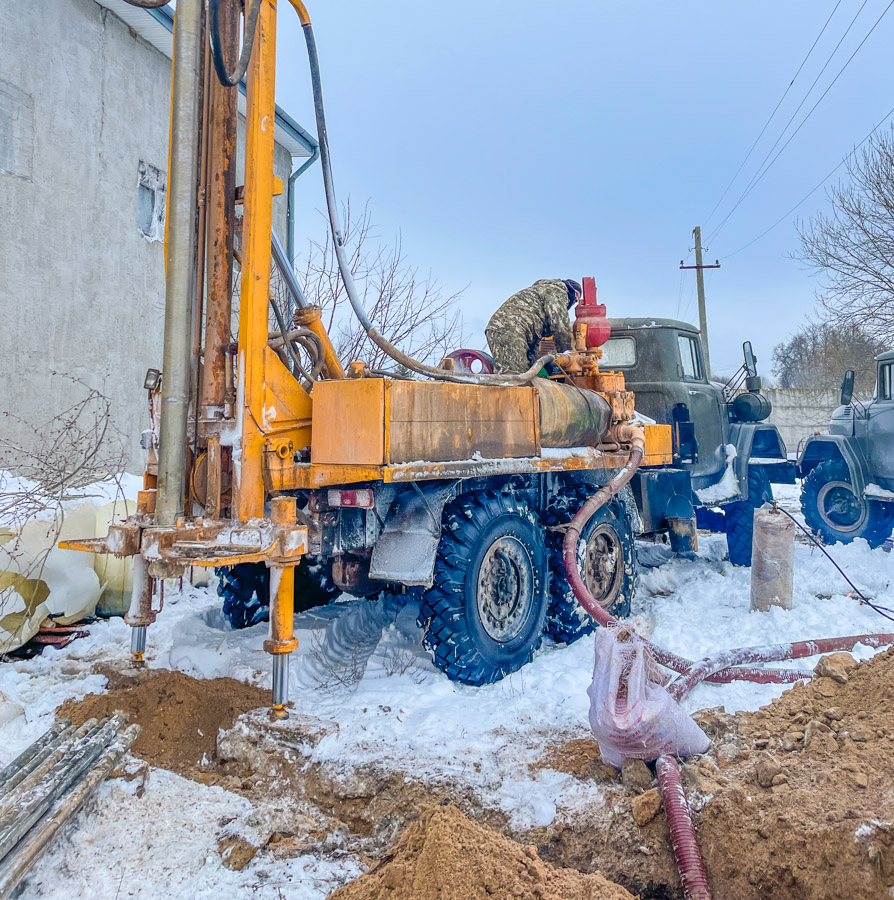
column 516, row 141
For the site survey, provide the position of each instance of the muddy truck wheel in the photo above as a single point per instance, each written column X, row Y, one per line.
column 484, row 613
column 245, row 590
column 606, row 555
column 833, row 510
column 740, row 516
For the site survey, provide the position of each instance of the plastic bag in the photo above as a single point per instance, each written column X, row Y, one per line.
column 631, row 713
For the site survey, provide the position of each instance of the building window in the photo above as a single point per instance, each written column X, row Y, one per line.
column 151, row 202
column 16, row 131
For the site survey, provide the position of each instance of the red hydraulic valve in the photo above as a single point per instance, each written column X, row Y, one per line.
column 593, row 315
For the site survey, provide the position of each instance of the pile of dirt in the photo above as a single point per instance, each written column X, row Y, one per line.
column 445, row 856
column 794, row 800
column 800, row 802
column 179, row 716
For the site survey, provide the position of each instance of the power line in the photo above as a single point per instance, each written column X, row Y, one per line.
column 765, row 168
column 811, row 192
column 775, row 110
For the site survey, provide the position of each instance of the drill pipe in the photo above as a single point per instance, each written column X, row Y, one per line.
column 180, row 280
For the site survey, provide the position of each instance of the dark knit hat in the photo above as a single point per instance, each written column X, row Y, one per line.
column 574, row 291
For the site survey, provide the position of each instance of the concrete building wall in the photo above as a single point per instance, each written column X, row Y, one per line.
column 82, row 289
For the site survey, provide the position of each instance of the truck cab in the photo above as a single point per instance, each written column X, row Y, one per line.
column 725, row 453
column 848, row 487
column 663, row 363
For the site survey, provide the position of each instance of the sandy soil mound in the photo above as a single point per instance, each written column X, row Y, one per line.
column 180, row 716
column 804, row 807
column 445, row 856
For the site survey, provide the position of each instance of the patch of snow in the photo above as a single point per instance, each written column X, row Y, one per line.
column 164, row 844
column 566, row 452
column 877, row 491
column 728, row 486
column 403, row 715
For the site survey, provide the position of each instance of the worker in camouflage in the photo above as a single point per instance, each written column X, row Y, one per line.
column 515, row 330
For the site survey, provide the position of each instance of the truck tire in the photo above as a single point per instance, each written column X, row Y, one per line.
column 740, row 516
column 834, row 512
column 484, row 613
column 245, row 589
column 608, row 533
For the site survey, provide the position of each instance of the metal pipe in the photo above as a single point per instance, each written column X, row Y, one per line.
column 180, row 260
column 290, row 200
column 28, row 758
column 284, row 264
column 280, row 681
column 18, row 863
column 18, row 820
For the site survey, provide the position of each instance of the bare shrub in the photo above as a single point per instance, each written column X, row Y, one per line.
column 48, row 466
column 409, row 308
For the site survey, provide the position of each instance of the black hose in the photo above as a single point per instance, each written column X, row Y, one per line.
column 148, row 4
column 881, row 610
column 230, row 79
column 338, row 246
column 287, row 344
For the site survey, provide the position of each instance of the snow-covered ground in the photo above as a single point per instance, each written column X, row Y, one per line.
column 402, row 714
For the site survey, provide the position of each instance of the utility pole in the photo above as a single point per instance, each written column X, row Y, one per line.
column 700, row 282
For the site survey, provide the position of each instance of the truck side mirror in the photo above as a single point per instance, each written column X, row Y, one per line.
column 750, row 360
column 847, row 388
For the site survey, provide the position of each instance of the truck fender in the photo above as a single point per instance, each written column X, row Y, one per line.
column 822, row 447
column 407, row 547
column 758, row 439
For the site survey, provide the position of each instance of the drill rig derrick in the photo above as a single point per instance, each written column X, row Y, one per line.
column 241, row 439
column 217, row 421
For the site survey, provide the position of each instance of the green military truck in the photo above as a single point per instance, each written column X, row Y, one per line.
column 848, row 487
column 726, row 455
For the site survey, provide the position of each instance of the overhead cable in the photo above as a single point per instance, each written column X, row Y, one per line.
column 758, row 177
column 772, row 114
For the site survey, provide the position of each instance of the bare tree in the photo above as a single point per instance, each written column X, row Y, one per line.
column 817, row 356
column 410, row 309
column 852, row 248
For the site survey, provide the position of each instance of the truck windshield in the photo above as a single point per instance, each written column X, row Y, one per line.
column 618, row 352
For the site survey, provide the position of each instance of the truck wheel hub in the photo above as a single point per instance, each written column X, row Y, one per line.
column 840, row 507
column 505, row 584
column 602, row 565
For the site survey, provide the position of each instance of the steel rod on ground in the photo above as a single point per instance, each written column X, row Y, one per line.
column 16, row 864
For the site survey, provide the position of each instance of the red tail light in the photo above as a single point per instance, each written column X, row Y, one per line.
column 362, row 498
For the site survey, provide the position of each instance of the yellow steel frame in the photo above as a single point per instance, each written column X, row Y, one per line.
column 272, row 404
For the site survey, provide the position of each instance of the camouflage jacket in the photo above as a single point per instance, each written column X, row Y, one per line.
column 536, row 312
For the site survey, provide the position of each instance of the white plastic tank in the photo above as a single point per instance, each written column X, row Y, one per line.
column 115, row 574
